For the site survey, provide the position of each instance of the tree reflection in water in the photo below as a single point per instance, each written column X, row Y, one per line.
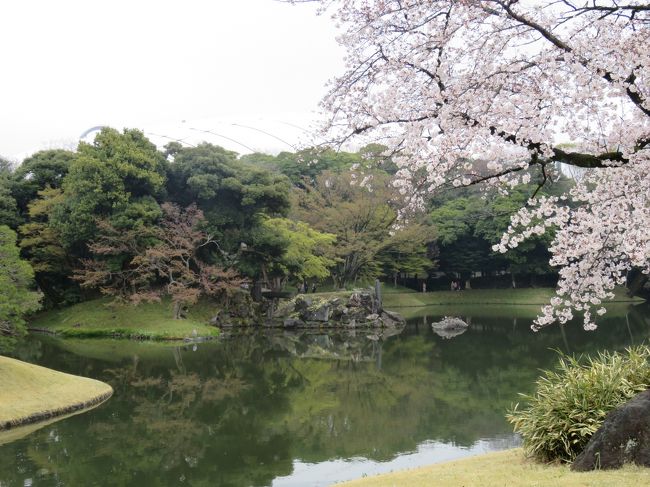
column 241, row 410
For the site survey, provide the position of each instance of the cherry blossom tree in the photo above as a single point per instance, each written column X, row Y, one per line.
column 525, row 85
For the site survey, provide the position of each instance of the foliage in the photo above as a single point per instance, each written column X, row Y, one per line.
column 571, row 402
column 447, row 85
column 307, row 251
column 408, row 250
column 16, row 281
column 145, row 264
column 471, row 223
column 361, row 218
column 106, row 178
column 8, row 208
column 40, row 243
column 44, row 169
column 232, row 195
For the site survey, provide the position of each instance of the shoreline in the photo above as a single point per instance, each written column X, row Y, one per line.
column 32, row 394
column 507, row 467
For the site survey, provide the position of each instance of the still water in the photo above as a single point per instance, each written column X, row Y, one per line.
column 295, row 409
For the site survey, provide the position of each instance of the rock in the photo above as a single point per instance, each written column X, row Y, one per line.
column 292, row 323
column 361, row 299
column 450, row 323
column 320, row 313
column 392, row 316
column 624, row 437
column 302, row 303
column 449, row 327
column 216, row 319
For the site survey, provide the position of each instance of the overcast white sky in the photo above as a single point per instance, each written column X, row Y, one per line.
column 69, row 65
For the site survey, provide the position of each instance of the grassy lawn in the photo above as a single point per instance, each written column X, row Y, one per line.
column 508, row 469
column 527, row 296
column 31, row 393
column 102, row 318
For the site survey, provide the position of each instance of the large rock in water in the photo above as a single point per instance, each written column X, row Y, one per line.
column 449, row 327
column 623, row 438
column 360, row 310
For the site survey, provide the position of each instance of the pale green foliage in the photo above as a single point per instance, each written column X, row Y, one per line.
column 361, row 217
column 16, row 278
column 572, row 401
column 306, row 255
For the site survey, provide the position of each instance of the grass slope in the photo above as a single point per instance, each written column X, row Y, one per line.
column 30, row 393
column 528, row 296
column 103, row 318
column 508, row 469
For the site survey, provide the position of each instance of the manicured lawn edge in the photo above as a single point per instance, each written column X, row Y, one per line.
column 509, row 297
column 103, row 318
column 506, row 468
column 31, row 393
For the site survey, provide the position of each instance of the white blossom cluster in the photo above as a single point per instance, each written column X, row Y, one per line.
column 448, row 83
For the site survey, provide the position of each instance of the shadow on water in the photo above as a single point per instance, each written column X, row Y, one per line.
column 253, row 407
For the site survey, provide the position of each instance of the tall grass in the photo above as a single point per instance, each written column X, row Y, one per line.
column 571, row 402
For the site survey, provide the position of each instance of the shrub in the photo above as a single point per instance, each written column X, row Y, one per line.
column 571, row 402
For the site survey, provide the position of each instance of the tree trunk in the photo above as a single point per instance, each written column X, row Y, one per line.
column 514, row 282
column 178, row 307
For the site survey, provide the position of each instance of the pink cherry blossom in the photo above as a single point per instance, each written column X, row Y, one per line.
column 524, row 85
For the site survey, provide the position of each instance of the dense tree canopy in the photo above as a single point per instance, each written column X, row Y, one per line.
column 163, row 261
column 16, row 280
column 362, row 214
column 446, row 82
column 120, row 173
column 232, row 194
column 119, row 216
column 44, row 169
column 8, row 208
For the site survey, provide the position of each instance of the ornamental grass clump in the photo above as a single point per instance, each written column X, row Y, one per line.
column 571, row 402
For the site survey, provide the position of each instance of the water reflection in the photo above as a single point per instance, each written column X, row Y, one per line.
column 294, row 409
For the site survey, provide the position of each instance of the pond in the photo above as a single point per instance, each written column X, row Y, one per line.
column 296, row 409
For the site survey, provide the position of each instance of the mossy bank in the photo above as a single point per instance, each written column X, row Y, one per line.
column 31, row 393
column 103, row 318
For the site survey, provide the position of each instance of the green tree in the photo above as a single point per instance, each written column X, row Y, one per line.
column 8, row 209
column 470, row 224
column 462, row 251
column 16, row 281
column 40, row 244
column 408, row 251
column 43, row 169
column 305, row 255
column 145, row 264
column 233, row 195
column 531, row 257
column 116, row 171
column 362, row 215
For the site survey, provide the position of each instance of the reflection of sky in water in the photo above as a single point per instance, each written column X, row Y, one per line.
column 428, row 452
column 296, row 409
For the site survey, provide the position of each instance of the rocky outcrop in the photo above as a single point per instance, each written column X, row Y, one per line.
column 449, row 327
column 623, row 438
column 359, row 310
